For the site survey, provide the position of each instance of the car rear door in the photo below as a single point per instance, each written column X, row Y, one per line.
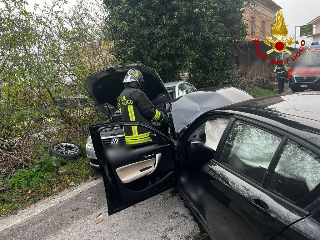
column 136, row 172
column 305, row 229
column 237, row 203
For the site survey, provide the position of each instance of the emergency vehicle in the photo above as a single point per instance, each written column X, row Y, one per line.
column 304, row 73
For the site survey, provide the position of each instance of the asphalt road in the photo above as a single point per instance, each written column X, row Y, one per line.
column 81, row 213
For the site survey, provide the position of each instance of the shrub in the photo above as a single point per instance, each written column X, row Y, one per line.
column 247, row 83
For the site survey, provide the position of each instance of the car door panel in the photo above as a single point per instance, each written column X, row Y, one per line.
column 144, row 156
column 134, row 171
column 133, row 174
column 248, row 212
column 222, row 215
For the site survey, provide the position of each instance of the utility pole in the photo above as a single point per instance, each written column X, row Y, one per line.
column 295, row 36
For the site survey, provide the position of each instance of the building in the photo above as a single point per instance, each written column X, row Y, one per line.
column 259, row 16
column 316, row 29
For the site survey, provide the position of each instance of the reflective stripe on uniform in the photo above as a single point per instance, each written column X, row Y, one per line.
column 132, row 119
column 138, row 136
column 156, row 116
column 142, row 134
column 137, row 139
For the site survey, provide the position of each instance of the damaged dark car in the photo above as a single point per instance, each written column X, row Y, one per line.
column 248, row 168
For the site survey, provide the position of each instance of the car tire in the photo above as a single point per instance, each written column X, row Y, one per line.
column 296, row 89
column 65, row 150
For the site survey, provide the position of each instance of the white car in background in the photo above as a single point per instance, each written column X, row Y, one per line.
column 179, row 89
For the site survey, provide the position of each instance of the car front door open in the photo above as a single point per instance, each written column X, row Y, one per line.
column 134, row 168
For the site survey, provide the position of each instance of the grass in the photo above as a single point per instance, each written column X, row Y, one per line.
column 258, row 92
column 44, row 178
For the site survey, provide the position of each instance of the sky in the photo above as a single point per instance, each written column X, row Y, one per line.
column 41, row 3
column 298, row 13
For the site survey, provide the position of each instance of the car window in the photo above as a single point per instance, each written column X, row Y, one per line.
column 189, row 88
column 249, row 150
column 297, row 172
column 182, row 90
column 185, row 88
column 172, row 92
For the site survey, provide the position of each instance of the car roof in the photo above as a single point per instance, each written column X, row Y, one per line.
column 173, row 84
column 298, row 113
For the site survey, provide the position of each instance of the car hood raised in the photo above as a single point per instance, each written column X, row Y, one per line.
column 186, row 109
column 104, row 87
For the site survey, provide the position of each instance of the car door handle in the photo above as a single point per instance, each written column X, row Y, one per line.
column 145, row 169
column 263, row 210
column 261, row 204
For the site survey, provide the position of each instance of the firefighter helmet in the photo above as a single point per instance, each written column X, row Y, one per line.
column 134, row 75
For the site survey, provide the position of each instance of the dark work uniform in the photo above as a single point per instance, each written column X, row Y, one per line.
column 281, row 71
column 135, row 106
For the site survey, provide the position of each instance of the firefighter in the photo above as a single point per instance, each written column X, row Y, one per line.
column 282, row 74
column 135, row 106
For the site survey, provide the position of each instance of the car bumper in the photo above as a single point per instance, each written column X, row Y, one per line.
column 296, row 83
column 90, row 152
column 91, row 155
column 313, row 86
column 94, row 163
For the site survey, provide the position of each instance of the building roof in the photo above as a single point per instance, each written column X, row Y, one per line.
column 269, row 4
column 314, row 21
